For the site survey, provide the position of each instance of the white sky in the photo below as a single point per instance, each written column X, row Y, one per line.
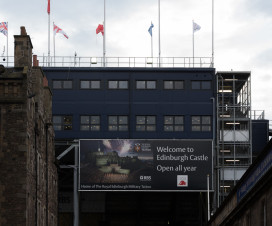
column 243, row 32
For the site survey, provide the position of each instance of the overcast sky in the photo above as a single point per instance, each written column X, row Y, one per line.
column 243, row 32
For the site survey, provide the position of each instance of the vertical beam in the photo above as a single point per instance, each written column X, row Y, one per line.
column 76, row 211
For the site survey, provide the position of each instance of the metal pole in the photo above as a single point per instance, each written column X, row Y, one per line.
column 104, row 36
column 75, row 188
column 212, row 33
column 7, row 45
column 48, row 39
column 193, row 45
column 54, row 37
column 208, row 196
column 159, row 34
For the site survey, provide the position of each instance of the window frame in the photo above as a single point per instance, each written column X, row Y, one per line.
column 174, row 87
column 201, row 124
column 118, row 125
column 118, row 84
column 174, row 124
column 90, row 125
column 62, row 84
column 90, row 84
column 201, row 84
column 146, row 84
column 146, row 127
column 62, row 125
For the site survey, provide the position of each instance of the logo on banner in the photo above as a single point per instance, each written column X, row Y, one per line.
column 145, row 178
column 137, row 147
column 182, row 180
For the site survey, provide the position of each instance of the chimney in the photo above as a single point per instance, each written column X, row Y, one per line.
column 22, row 49
column 35, row 61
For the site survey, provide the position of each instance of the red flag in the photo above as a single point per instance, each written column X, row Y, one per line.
column 100, row 28
column 48, row 7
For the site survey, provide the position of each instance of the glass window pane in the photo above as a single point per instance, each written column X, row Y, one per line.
column 123, row 128
column 95, row 84
column 195, row 128
column 84, row 127
column 67, row 120
column 168, row 128
column 95, row 119
column 113, row 84
column 150, row 128
column 151, row 84
column 206, row 128
column 112, row 128
column 195, row 84
column 123, row 120
column 140, row 84
column 67, row 84
column 150, row 120
column 206, row 120
column 84, row 84
column 140, row 119
column 84, row 120
column 95, row 128
column 56, row 119
column 140, row 128
column 57, row 127
column 112, row 120
column 179, row 128
column 123, row 84
column 168, row 85
column 56, row 84
column 178, row 119
column 179, row 85
column 195, row 119
column 168, row 120
column 206, row 84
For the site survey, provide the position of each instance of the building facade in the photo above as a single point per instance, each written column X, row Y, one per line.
column 131, row 103
column 28, row 176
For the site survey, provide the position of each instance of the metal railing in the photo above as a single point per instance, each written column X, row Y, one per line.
column 147, row 62
column 257, row 115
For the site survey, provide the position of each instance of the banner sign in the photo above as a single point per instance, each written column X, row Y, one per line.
column 145, row 165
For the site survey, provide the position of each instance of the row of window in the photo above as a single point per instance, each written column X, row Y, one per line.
column 143, row 123
column 124, row 84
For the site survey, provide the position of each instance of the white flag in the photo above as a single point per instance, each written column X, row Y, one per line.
column 196, row 27
column 56, row 30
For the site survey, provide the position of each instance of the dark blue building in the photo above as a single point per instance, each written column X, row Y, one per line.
column 133, row 103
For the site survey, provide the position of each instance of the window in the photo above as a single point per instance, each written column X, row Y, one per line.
column 90, row 123
column 62, row 84
column 201, row 84
column 173, row 84
column 201, row 123
column 87, row 84
column 146, row 84
column 145, row 123
column 62, row 122
column 118, row 84
column 173, row 123
column 118, row 123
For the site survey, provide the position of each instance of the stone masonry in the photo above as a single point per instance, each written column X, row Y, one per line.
column 28, row 175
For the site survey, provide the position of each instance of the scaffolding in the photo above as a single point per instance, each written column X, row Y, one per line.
column 234, row 139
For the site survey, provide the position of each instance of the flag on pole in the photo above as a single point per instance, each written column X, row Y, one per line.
column 196, row 27
column 4, row 28
column 150, row 29
column 56, row 30
column 100, row 28
column 48, row 7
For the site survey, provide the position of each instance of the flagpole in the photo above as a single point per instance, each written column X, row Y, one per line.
column 48, row 38
column 159, row 33
column 212, row 33
column 104, row 36
column 54, row 37
column 193, row 45
column 7, row 45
